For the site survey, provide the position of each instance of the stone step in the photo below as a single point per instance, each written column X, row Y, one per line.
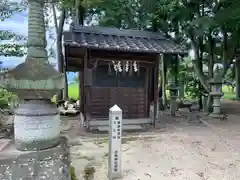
column 66, row 118
column 124, row 128
column 69, row 112
column 105, row 121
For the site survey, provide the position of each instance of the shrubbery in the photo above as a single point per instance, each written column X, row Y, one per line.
column 6, row 99
column 73, row 174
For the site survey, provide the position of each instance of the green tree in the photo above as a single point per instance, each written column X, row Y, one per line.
column 207, row 27
column 9, row 43
column 9, row 47
column 127, row 14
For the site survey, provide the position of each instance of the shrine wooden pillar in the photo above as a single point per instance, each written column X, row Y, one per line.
column 156, row 80
column 176, row 70
column 164, row 79
column 81, row 90
column 83, row 87
column 87, row 86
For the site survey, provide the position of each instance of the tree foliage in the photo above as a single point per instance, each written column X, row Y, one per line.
column 10, row 45
column 209, row 27
column 7, row 9
column 206, row 26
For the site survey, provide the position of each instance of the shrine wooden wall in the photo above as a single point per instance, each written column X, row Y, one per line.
column 129, row 92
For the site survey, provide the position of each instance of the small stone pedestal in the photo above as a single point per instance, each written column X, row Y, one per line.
column 173, row 98
column 115, row 143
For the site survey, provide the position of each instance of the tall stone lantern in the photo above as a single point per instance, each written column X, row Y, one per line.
column 35, row 81
column 216, row 90
column 174, row 89
column 42, row 154
column 173, row 86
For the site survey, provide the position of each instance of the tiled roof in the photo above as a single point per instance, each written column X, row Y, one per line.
column 121, row 40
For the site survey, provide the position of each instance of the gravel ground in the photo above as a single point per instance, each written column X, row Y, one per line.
column 182, row 152
column 177, row 151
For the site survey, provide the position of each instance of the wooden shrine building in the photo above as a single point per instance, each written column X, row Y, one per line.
column 117, row 67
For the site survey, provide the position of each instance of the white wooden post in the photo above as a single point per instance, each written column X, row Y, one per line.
column 115, row 142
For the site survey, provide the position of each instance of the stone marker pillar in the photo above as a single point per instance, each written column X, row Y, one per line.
column 115, row 143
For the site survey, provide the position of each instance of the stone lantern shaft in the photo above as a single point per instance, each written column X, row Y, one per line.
column 36, row 31
column 216, row 91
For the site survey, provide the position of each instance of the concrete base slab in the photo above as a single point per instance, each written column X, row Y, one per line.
column 49, row 164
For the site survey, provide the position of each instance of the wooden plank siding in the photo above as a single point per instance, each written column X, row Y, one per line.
column 131, row 100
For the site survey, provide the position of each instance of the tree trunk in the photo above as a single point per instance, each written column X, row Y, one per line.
column 237, row 76
column 211, row 61
column 210, row 103
column 60, row 59
column 161, row 106
column 200, row 103
column 210, row 76
column 200, row 75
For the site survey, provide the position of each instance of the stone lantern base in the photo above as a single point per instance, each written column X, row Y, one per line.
column 216, row 105
column 36, row 125
column 217, row 116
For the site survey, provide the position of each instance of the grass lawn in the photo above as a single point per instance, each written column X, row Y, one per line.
column 228, row 94
column 73, row 91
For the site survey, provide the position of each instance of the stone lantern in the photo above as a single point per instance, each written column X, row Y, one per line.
column 174, row 89
column 216, row 90
column 35, row 81
column 42, row 154
column 173, row 86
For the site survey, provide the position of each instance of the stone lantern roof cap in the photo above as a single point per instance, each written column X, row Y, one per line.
column 33, row 70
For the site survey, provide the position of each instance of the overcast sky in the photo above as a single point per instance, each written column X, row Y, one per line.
column 18, row 23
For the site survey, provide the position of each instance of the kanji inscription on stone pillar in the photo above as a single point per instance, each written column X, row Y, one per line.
column 115, row 141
